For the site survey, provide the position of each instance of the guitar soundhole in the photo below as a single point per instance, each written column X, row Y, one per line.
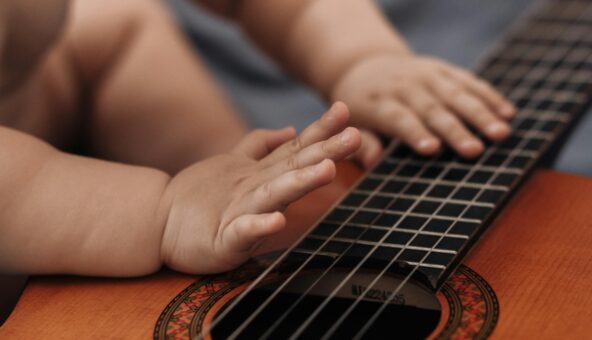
column 413, row 313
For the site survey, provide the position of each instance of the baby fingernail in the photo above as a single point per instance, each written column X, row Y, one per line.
column 345, row 137
column 332, row 110
column 497, row 129
column 507, row 109
column 471, row 145
column 428, row 144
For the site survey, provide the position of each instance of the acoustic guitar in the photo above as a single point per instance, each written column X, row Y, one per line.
column 385, row 254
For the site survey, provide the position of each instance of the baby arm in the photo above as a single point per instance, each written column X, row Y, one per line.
column 67, row 214
column 62, row 213
column 348, row 51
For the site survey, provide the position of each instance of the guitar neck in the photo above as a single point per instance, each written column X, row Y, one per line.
column 425, row 213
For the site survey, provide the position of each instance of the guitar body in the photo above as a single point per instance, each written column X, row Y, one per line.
column 529, row 277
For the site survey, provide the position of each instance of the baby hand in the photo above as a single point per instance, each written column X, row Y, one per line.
column 222, row 208
column 421, row 101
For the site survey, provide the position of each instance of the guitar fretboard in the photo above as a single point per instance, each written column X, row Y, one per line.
column 421, row 215
column 427, row 212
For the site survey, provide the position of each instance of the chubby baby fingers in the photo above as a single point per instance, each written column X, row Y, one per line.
column 261, row 142
column 246, row 232
column 331, row 123
column 484, row 90
column 370, row 150
column 335, row 148
column 277, row 193
column 470, row 107
column 397, row 120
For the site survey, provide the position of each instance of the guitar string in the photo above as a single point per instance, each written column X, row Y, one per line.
column 255, row 284
column 378, row 312
column 476, row 167
column 312, row 316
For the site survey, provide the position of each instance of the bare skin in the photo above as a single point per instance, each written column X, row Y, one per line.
column 116, row 74
column 118, row 82
column 347, row 51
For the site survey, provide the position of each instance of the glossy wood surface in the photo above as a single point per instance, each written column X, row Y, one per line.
column 538, row 259
column 537, row 256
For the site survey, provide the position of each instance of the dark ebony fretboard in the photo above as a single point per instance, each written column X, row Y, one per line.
column 426, row 213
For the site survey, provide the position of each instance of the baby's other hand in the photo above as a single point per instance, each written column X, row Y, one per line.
column 222, row 208
column 423, row 101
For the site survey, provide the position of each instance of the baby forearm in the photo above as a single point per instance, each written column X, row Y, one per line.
column 67, row 214
column 320, row 39
column 331, row 35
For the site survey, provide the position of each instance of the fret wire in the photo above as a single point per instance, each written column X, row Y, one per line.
column 542, row 95
column 314, row 252
column 525, row 153
column 518, row 70
column 332, row 255
column 541, row 77
column 408, row 231
column 550, row 115
column 428, row 198
column 422, row 232
column 426, row 265
column 448, row 218
column 463, row 166
column 534, row 55
column 447, row 182
column 585, row 78
column 385, row 303
column 533, row 134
